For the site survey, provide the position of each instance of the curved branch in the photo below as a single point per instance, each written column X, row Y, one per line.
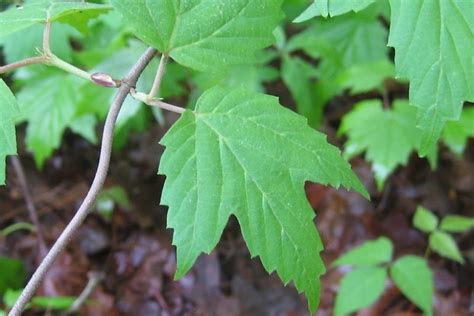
column 128, row 82
column 23, row 63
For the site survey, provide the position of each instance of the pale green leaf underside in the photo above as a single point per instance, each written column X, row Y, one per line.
column 414, row 278
column 327, row 8
column 8, row 113
column 76, row 13
column 241, row 153
column 360, row 288
column 369, row 253
column 387, row 136
column 433, row 43
column 204, row 34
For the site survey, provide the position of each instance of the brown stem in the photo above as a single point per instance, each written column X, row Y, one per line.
column 33, row 213
column 23, row 63
column 95, row 278
column 158, row 78
column 107, row 138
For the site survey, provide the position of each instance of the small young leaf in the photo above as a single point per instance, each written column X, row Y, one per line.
column 298, row 81
column 369, row 253
column 456, row 133
column 75, row 13
column 366, row 77
column 8, row 113
column 241, row 153
column 388, row 136
column 343, row 42
column 445, row 245
column 204, row 34
column 53, row 302
column 414, row 278
column 12, row 274
column 433, row 49
column 456, row 223
column 360, row 288
column 331, row 8
column 425, row 220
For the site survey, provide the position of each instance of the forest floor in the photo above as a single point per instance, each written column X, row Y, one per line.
column 134, row 251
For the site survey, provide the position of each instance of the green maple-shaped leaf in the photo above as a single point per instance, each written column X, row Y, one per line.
column 327, row 8
column 240, row 153
column 8, row 113
column 387, row 136
column 204, row 34
column 48, row 103
column 76, row 13
column 433, row 43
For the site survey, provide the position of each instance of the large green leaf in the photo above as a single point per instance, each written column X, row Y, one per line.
column 204, row 34
column 414, row 278
column 48, row 104
column 360, row 288
column 388, row 136
column 241, row 153
column 76, row 13
column 8, row 113
column 456, row 133
column 369, row 253
column 327, row 8
column 433, row 43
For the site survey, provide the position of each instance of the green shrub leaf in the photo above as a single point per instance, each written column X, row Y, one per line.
column 8, row 113
column 327, row 8
column 387, row 136
column 360, row 288
column 425, row 220
column 456, row 223
column 13, row 274
column 204, row 34
column 48, row 104
column 433, row 49
column 369, row 253
column 414, row 278
column 241, row 153
column 343, row 42
column 445, row 245
column 75, row 13
column 297, row 78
